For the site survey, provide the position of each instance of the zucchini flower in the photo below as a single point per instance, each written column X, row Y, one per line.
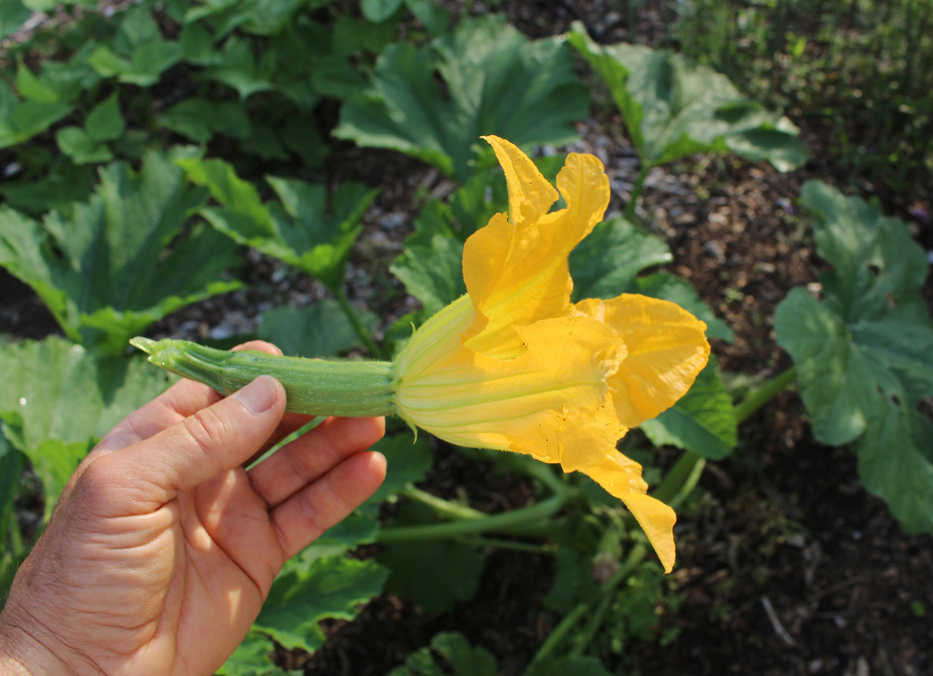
column 515, row 366
column 512, row 365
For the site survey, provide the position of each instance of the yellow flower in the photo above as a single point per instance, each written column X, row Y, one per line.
column 514, row 365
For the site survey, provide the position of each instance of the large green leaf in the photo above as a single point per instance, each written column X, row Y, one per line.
column 301, row 229
column 673, row 109
column 449, row 653
column 497, row 82
column 104, row 268
column 605, row 263
column 253, row 657
column 58, row 399
column 862, row 353
column 260, row 17
column 702, row 421
column 310, row 589
column 320, row 330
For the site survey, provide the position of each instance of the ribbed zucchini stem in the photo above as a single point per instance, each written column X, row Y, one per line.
column 314, row 386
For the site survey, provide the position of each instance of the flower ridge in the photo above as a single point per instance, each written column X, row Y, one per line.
column 514, row 365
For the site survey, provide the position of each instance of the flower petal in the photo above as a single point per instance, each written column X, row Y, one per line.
column 667, row 348
column 516, row 272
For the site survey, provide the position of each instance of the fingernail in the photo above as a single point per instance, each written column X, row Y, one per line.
column 259, row 395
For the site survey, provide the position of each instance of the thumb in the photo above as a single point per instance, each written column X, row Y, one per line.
column 214, row 439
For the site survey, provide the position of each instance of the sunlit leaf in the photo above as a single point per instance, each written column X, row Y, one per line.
column 103, row 268
column 311, row 589
column 497, row 82
column 253, row 657
column 58, row 399
column 862, row 352
column 77, row 144
column 319, row 330
column 301, row 228
column 673, row 109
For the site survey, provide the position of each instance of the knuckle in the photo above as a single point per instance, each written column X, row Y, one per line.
column 206, row 429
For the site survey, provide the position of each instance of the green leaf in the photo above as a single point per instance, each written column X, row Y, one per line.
column 32, row 88
column 562, row 666
column 199, row 119
column 673, row 109
column 435, row 574
column 862, row 352
column 309, row 590
column 104, row 122
column 80, row 147
column 300, row 229
column 702, row 421
column 21, row 120
column 408, row 460
column 12, row 16
column 253, row 657
column 11, row 469
column 606, row 262
column 104, row 269
column 429, row 266
column 240, row 70
column 449, row 653
column 63, row 184
column 434, row 17
column 139, row 53
column 497, row 82
column 58, row 400
column 379, row 10
column 260, row 17
column 320, row 330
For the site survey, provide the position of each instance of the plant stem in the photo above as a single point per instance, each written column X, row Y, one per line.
column 514, row 522
column 445, row 508
column 606, row 594
column 499, row 543
column 761, row 395
column 358, row 326
column 678, row 477
column 637, row 188
column 570, row 619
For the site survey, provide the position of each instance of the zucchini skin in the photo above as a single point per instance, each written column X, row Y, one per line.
column 313, row 386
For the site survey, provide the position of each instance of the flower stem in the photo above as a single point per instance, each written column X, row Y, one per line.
column 358, row 326
column 761, row 395
column 499, row 543
column 516, row 521
column 445, row 508
column 680, row 479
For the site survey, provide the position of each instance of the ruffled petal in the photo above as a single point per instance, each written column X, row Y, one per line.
column 667, row 348
column 516, row 272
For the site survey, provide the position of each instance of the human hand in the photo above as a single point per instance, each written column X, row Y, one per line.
column 162, row 547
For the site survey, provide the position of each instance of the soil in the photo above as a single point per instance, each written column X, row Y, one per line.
column 786, row 565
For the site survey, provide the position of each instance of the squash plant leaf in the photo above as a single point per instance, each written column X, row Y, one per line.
column 13, row 14
column 319, row 330
column 310, row 589
column 448, row 653
column 59, row 399
column 702, row 421
column 105, row 269
column 20, row 120
column 673, row 109
column 862, row 352
column 497, row 82
column 139, row 53
column 253, row 657
column 301, row 228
